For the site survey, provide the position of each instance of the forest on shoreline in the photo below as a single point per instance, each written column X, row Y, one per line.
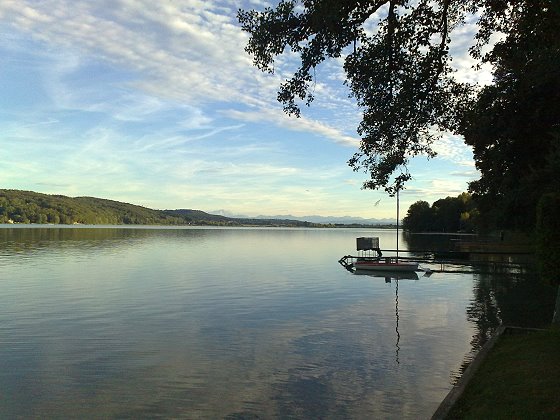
column 26, row 207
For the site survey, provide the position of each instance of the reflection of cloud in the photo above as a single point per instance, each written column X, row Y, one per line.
column 270, row 327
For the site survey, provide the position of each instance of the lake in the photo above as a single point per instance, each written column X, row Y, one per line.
column 113, row 322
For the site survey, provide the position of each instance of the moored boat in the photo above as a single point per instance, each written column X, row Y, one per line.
column 378, row 264
column 370, row 263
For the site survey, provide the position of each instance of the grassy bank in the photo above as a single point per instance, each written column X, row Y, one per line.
column 520, row 379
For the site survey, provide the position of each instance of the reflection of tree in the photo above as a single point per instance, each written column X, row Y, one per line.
column 508, row 299
column 30, row 241
column 523, row 299
column 305, row 398
column 397, row 347
column 483, row 310
column 431, row 242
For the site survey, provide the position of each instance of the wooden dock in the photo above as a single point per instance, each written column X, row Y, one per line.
column 480, row 262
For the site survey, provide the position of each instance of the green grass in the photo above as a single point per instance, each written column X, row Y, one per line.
column 519, row 379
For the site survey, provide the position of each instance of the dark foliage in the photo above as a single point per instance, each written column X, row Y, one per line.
column 514, row 124
column 399, row 75
column 451, row 214
column 399, row 72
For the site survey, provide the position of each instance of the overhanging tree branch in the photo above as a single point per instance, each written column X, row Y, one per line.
column 399, row 74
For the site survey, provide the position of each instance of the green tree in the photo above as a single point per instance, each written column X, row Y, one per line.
column 447, row 214
column 399, row 72
column 53, row 218
column 419, row 217
column 451, row 214
column 513, row 125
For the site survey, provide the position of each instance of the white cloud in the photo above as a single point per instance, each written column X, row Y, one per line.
column 293, row 123
column 453, row 148
column 432, row 190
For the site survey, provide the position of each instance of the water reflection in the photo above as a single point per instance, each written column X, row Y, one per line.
column 393, row 276
column 507, row 292
column 433, row 242
column 483, row 252
column 397, row 321
column 30, row 241
column 224, row 323
column 506, row 298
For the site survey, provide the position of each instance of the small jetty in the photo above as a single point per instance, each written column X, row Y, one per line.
column 459, row 259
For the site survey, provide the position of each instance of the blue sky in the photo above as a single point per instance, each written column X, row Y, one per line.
column 156, row 103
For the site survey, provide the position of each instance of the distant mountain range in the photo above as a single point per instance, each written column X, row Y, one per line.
column 345, row 220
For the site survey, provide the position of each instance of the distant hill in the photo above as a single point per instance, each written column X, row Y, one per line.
column 18, row 206
column 345, row 220
column 198, row 215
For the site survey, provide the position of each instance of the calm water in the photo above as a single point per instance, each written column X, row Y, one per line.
column 233, row 323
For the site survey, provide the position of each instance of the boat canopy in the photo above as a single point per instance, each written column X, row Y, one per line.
column 367, row 244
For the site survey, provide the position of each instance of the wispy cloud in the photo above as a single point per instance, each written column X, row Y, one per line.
column 190, row 51
column 174, row 140
column 296, row 124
